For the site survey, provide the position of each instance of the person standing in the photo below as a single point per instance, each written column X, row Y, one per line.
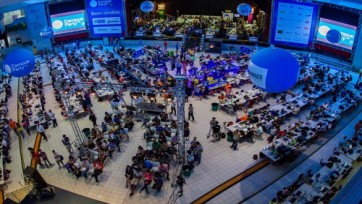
column 20, row 130
column 53, row 118
column 176, row 48
column 12, row 125
column 45, row 159
column 58, row 158
column 173, row 107
column 198, row 152
column 26, row 126
column 137, row 176
column 40, row 129
column 191, row 112
column 129, row 176
column 93, row 118
column 98, row 169
column 180, row 183
column 147, row 181
column 212, row 124
column 66, row 143
column 236, row 139
column 165, row 45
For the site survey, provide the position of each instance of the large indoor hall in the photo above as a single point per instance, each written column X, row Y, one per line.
column 210, row 101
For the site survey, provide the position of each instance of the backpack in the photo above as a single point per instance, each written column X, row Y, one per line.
column 190, row 158
column 223, row 135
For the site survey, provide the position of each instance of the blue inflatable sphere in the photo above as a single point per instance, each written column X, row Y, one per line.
column 244, row 9
column 147, row 6
column 273, row 70
column 19, row 62
column 334, row 36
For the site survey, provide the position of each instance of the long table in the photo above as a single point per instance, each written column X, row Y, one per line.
column 319, row 187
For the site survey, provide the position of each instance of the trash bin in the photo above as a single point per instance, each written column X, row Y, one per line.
column 186, row 170
column 86, row 132
column 214, row 106
column 230, row 137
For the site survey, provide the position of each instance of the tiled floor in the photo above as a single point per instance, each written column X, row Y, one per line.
column 219, row 162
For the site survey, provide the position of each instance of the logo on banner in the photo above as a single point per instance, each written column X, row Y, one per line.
column 57, row 24
column 244, row 9
column 93, row 3
column 19, row 62
column 257, row 75
column 46, row 32
column 147, row 6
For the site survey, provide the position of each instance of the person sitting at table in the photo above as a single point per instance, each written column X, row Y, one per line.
column 107, row 118
column 114, row 127
column 156, row 121
column 228, row 89
column 129, row 113
column 163, row 117
column 244, row 117
column 221, row 98
column 325, row 105
column 281, row 133
column 129, row 124
column 358, row 126
column 173, row 124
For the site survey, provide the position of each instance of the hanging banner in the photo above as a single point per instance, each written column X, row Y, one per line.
column 19, row 62
column 46, row 32
column 105, row 18
column 138, row 53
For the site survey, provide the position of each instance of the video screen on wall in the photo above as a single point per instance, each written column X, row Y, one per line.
column 68, row 22
column 105, row 19
column 336, row 33
column 337, row 27
column 293, row 23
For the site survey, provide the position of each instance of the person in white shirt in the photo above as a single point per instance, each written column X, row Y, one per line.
column 53, row 118
column 40, row 129
column 173, row 107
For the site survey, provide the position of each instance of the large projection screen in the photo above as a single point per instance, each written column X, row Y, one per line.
column 68, row 22
column 344, row 34
column 293, row 23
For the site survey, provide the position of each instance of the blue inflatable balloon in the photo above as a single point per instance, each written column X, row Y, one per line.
column 47, row 32
column 273, row 70
column 147, row 6
column 334, row 36
column 244, row 9
column 19, row 62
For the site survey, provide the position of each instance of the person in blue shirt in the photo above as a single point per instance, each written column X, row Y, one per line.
column 111, row 147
